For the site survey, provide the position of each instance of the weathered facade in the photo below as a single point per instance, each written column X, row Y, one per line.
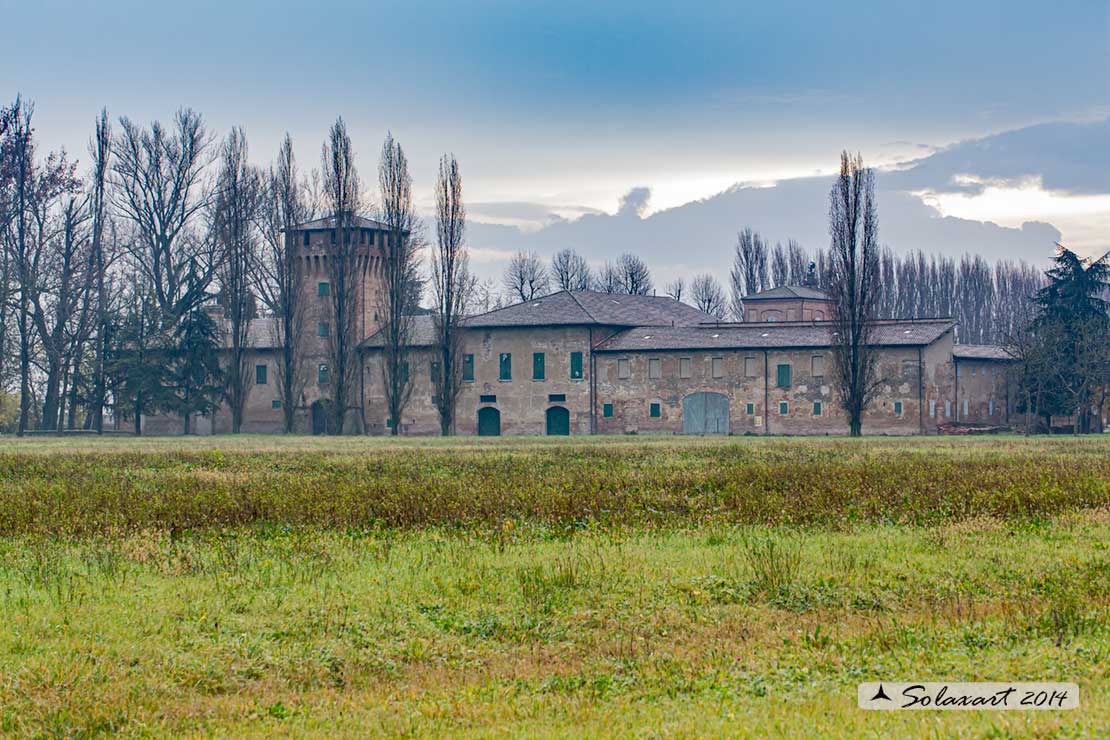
column 595, row 363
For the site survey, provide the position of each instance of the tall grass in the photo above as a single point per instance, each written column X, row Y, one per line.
column 364, row 483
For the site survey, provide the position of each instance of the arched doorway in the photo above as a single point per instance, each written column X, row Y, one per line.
column 322, row 422
column 705, row 413
column 489, row 422
column 558, row 421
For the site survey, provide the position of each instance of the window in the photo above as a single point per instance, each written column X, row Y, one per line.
column 322, row 328
column 783, row 376
column 556, row 397
column 959, row 372
column 362, row 236
column 607, row 410
column 990, row 407
column 333, row 236
column 973, row 372
column 655, row 368
column 468, row 368
column 306, row 238
column 816, row 408
column 897, row 408
column 487, row 399
column 505, row 366
column 322, row 376
column 947, row 409
column 784, row 408
column 654, row 411
column 751, row 409
column 276, row 403
column 537, row 366
column 575, row 365
column 818, row 365
column 404, row 373
column 260, row 375
column 323, row 289
column 932, row 408
column 718, row 367
column 685, row 367
column 965, row 407
column 749, row 367
column 433, row 371
column 624, row 369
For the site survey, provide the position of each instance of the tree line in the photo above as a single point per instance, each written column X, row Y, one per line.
column 132, row 285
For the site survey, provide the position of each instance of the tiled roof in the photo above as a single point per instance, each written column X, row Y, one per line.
column 981, row 352
column 788, row 291
column 328, row 222
column 767, row 335
column 423, row 333
column 584, row 308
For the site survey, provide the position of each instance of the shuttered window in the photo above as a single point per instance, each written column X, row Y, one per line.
column 260, row 375
column 783, row 376
column 575, row 365
column 468, row 368
column 505, row 366
column 537, row 366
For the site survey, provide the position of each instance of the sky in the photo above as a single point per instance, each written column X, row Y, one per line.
column 987, row 121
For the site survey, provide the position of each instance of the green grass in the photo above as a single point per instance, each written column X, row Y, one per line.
column 597, row 587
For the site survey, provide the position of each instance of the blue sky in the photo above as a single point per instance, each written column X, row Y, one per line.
column 558, row 108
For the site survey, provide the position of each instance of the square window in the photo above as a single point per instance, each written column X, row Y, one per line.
column 685, row 367
column 468, row 368
column 556, row 397
column 718, row 367
column 275, row 404
column 537, row 366
column 575, row 365
column 816, row 408
column 654, row 411
column 487, row 399
column 783, row 376
column 607, row 410
column 751, row 409
column 323, row 289
column 260, row 375
column 655, row 368
column 322, row 374
column 624, row 369
column 818, row 365
column 897, row 408
column 784, row 408
column 505, row 366
column 322, row 328
column 749, row 367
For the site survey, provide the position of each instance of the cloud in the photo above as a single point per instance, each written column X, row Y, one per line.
column 634, row 203
column 1068, row 157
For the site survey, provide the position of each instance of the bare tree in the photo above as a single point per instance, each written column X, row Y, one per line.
column 676, row 288
column 280, row 275
column 341, row 189
column 634, row 275
column 401, row 293
column 854, row 227
column 526, row 277
column 609, row 278
column 100, row 259
column 708, row 295
column 749, row 269
column 451, row 288
column 571, row 271
column 235, row 210
column 158, row 185
column 797, row 263
column 780, row 266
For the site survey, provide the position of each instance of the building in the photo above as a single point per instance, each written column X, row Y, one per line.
column 584, row 362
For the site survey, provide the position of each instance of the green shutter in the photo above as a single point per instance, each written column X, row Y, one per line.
column 505, row 371
column 260, row 375
column 816, row 408
column 751, row 409
column 607, row 410
column 468, row 367
column 537, row 366
column 323, row 289
column 576, row 365
column 654, row 410
column 784, row 408
column 275, row 404
column 783, row 376
column 897, row 408
column 322, row 374
column 321, row 328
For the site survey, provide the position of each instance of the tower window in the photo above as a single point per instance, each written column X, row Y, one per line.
column 322, row 374
column 323, row 289
column 322, row 328
column 260, row 375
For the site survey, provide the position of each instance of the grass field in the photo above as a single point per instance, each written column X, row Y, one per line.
column 615, row 586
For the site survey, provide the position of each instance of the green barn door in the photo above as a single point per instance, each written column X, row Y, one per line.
column 558, row 421
column 489, row 422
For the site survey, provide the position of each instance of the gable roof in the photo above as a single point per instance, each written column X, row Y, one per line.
column 328, row 222
column 981, row 352
column 768, row 336
column 788, row 291
column 421, row 334
column 589, row 308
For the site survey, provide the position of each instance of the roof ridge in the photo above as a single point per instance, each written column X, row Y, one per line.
column 574, row 298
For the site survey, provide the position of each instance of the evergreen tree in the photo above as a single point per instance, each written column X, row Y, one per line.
column 137, row 362
column 195, row 372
